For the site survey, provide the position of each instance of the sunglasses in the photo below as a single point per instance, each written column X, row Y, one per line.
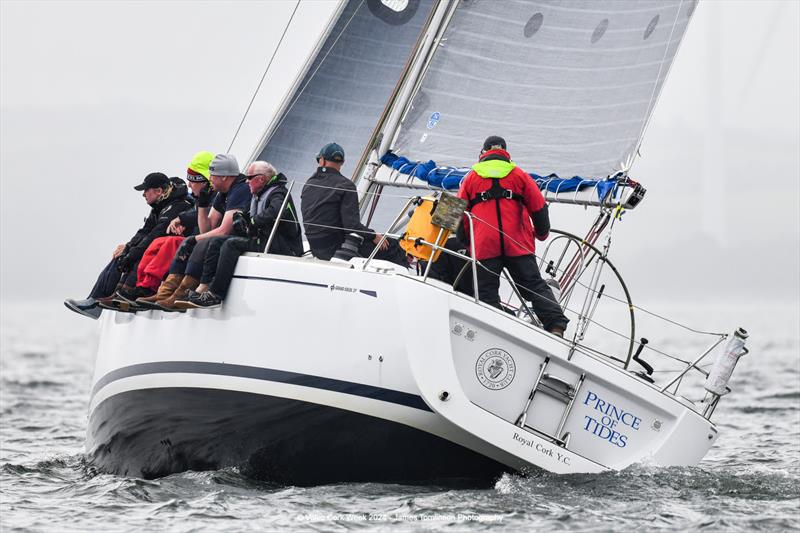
column 248, row 178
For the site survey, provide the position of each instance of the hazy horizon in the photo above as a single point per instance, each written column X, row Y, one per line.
column 90, row 107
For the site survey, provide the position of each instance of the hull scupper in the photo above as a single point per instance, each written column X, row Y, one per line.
column 308, row 362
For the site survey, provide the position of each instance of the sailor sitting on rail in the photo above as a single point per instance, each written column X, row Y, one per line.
column 503, row 199
column 252, row 229
column 156, row 260
column 166, row 198
column 217, row 221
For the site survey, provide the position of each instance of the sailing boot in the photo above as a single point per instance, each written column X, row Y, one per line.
column 165, row 290
column 187, row 283
column 183, row 303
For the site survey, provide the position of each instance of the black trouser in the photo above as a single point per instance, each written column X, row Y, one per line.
column 447, row 267
column 393, row 253
column 525, row 273
column 189, row 259
column 109, row 279
column 229, row 253
column 325, row 252
column 212, row 257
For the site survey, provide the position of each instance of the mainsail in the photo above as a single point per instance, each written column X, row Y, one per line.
column 570, row 85
column 347, row 85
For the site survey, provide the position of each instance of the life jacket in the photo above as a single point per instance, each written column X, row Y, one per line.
column 259, row 203
column 496, row 165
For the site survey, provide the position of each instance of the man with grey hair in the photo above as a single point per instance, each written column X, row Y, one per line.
column 214, row 221
column 252, row 229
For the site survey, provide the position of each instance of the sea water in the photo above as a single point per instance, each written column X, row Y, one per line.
column 750, row 480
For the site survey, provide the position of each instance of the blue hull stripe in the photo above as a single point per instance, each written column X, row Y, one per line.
column 261, row 278
column 264, row 374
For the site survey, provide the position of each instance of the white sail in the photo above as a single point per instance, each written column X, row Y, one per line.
column 569, row 84
column 346, row 87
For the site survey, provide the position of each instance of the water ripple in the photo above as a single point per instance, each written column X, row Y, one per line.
column 749, row 481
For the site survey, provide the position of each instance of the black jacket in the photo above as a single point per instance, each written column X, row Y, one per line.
column 330, row 199
column 161, row 214
column 265, row 210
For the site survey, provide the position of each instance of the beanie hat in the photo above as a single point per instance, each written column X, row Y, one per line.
column 494, row 141
column 199, row 164
column 224, row 165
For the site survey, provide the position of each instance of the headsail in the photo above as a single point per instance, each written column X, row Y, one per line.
column 570, row 85
column 347, row 85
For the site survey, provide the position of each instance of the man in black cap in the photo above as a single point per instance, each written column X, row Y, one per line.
column 167, row 199
column 329, row 203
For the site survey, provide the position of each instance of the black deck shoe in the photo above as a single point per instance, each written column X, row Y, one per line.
column 87, row 307
column 206, row 300
column 130, row 295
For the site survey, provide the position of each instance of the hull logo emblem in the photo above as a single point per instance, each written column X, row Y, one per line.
column 495, row 369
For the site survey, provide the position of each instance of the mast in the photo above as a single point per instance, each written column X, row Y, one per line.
column 387, row 128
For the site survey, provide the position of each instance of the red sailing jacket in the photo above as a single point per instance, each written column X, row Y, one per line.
column 511, row 214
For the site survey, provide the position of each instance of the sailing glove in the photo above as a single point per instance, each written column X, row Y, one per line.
column 205, row 197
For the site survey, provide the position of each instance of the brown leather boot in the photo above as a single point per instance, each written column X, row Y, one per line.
column 187, row 283
column 182, row 302
column 165, row 290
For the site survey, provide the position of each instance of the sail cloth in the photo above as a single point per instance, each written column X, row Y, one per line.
column 569, row 84
column 449, row 178
column 347, row 86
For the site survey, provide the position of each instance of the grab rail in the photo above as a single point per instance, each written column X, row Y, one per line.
column 470, row 261
column 279, row 219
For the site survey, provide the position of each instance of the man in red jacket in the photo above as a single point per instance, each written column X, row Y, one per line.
column 503, row 199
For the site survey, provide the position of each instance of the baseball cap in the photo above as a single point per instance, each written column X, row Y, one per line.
column 152, row 181
column 332, row 152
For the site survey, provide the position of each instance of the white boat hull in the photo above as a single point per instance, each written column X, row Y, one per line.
column 310, row 364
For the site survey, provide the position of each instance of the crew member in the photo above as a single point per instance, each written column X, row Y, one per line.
column 167, row 199
column 252, row 229
column 150, row 276
column 329, row 203
column 215, row 221
column 503, row 199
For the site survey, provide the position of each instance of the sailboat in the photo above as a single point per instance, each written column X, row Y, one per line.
column 362, row 370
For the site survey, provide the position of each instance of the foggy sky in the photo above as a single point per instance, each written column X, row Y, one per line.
column 94, row 95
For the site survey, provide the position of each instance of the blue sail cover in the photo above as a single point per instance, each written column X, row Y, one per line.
column 449, row 178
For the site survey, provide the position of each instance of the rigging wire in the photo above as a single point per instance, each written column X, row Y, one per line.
column 585, row 286
column 673, row 322
column 567, row 309
column 656, row 94
column 521, row 245
column 311, row 77
column 263, row 76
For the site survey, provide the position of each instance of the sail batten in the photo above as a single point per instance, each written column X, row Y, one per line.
column 570, row 85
